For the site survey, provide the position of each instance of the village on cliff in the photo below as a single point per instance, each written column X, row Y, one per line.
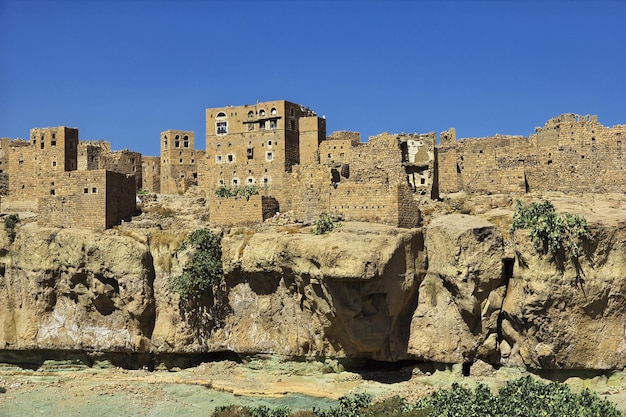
column 280, row 154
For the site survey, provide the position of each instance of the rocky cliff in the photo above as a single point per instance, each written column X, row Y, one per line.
column 456, row 291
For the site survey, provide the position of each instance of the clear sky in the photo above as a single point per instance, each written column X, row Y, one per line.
column 124, row 71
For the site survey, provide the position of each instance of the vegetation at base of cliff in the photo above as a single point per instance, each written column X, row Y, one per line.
column 245, row 191
column 549, row 230
column 525, row 397
column 204, row 272
column 325, row 223
column 10, row 222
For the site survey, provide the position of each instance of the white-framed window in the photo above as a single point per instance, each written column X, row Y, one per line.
column 262, row 112
column 250, row 114
column 273, row 111
column 269, row 156
column 262, row 124
column 218, row 159
column 250, row 180
column 235, row 181
column 273, row 124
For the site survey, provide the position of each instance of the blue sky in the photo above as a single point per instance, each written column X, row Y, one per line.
column 124, row 71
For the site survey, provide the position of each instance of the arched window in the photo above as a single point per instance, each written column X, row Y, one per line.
column 262, row 112
column 273, row 111
column 250, row 114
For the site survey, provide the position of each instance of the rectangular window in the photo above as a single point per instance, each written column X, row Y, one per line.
column 52, row 192
column 85, row 190
column 42, row 145
column 218, row 159
column 262, row 124
column 273, row 124
column 269, row 156
column 221, row 128
column 54, row 163
column 94, row 190
column 231, row 158
column 53, row 143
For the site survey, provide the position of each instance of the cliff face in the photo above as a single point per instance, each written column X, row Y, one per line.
column 454, row 292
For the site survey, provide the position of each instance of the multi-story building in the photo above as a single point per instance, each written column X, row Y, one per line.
column 178, row 161
column 259, row 144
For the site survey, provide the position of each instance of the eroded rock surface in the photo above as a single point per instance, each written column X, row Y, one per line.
column 461, row 290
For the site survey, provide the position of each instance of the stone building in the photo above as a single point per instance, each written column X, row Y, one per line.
column 44, row 177
column 151, row 173
column 259, row 145
column 570, row 153
column 98, row 155
column 178, row 161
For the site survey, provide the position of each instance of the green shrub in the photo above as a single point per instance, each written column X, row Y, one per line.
column 549, row 231
column 325, row 224
column 10, row 222
column 523, row 397
column 245, row 191
column 205, row 271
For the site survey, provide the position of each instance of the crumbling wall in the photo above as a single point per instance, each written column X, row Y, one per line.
column 571, row 153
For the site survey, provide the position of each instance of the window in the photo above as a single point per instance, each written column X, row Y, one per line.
column 85, row 190
column 250, row 180
column 269, row 156
column 266, row 180
column 177, row 144
column 262, row 113
column 231, row 157
column 186, row 144
column 221, row 114
column 262, row 124
column 292, row 124
column 219, row 146
column 42, row 144
column 218, row 159
column 52, row 192
column 269, row 143
column 292, row 112
column 54, row 163
column 180, row 161
column 53, row 143
column 273, row 124
column 250, row 114
column 221, row 183
column 273, row 111
column 250, row 126
column 94, row 190
column 235, row 181
column 221, row 128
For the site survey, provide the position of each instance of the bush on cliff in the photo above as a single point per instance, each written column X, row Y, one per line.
column 550, row 231
column 205, row 271
column 325, row 224
column 10, row 222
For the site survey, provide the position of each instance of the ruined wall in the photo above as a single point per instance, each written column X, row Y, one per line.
column 151, row 173
column 358, row 181
column 124, row 162
column 571, row 153
column 89, row 153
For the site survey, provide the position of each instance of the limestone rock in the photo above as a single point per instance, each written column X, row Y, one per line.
column 459, row 300
column 568, row 315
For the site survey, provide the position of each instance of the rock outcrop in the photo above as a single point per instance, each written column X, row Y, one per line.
column 457, row 291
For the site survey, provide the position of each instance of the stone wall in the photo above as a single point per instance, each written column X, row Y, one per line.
column 178, row 161
column 238, row 210
column 571, row 153
column 151, row 173
column 95, row 199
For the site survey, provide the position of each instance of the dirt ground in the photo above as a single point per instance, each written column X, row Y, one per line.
column 197, row 391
